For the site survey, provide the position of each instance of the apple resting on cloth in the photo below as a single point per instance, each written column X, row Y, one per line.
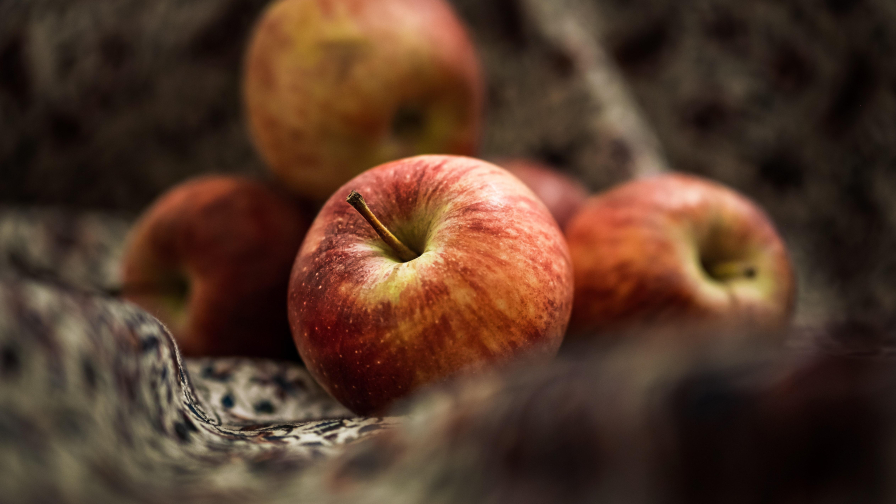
column 333, row 87
column 677, row 248
column 466, row 271
column 561, row 193
column 211, row 259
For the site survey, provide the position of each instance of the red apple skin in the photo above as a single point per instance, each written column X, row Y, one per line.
column 333, row 87
column 561, row 193
column 494, row 282
column 638, row 251
column 231, row 242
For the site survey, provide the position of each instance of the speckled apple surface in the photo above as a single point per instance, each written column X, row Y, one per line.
column 493, row 281
column 333, row 87
column 676, row 248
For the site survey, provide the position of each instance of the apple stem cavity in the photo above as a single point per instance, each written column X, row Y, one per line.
column 730, row 270
column 404, row 252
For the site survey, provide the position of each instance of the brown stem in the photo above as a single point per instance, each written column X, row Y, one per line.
column 732, row 269
column 404, row 253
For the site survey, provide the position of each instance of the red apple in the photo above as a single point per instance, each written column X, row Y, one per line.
column 676, row 248
column 333, row 87
column 477, row 274
column 561, row 193
column 211, row 259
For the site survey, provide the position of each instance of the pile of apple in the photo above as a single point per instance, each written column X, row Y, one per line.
column 426, row 266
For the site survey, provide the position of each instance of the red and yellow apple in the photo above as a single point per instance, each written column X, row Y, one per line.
column 476, row 273
column 333, row 87
column 211, row 259
column 676, row 248
column 561, row 193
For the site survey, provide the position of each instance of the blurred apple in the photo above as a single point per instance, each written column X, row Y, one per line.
column 333, row 87
column 466, row 270
column 677, row 248
column 211, row 259
column 561, row 193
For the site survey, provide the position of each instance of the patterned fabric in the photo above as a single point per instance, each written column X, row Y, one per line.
column 79, row 250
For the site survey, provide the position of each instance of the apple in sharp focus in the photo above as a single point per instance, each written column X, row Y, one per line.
column 211, row 259
column 561, row 193
column 476, row 274
column 677, row 248
column 333, row 87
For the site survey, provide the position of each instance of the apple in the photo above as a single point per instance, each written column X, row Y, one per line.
column 455, row 267
column 675, row 248
column 333, row 87
column 211, row 259
column 561, row 193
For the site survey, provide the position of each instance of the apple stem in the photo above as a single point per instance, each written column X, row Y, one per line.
column 732, row 269
column 404, row 252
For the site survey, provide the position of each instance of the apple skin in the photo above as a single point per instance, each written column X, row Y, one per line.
column 642, row 253
column 493, row 284
column 561, row 193
column 211, row 259
column 333, row 87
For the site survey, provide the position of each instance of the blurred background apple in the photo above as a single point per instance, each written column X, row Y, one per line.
column 562, row 193
column 211, row 259
column 677, row 249
column 333, row 87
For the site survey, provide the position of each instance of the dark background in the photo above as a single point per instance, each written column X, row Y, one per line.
column 103, row 105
